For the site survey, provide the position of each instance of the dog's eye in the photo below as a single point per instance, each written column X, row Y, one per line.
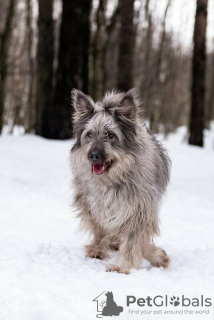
column 89, row 135
column 110, row 135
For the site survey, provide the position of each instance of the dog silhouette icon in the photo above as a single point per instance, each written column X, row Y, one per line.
column 111, row 308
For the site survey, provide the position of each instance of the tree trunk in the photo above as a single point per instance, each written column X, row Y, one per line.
column 109, row 30
column 210, row 102
column 72, row 65
column 198, row 75
column 30, row 120
column 126, row 45
column 155, row 112
column 96, row 48
column 162, row 42
column 5, row 38
column 45, row 57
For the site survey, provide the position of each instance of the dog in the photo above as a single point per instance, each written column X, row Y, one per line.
column 120, row 175
column 111, row 308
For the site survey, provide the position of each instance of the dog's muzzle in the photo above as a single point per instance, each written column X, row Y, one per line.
column 99, row 166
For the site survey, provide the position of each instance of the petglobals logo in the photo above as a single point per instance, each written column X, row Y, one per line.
column 165, row 301
column 106, row 305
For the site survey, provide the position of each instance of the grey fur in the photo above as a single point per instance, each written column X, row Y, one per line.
column 120, row 207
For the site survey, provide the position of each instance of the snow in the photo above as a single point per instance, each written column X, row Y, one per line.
column 44, row 274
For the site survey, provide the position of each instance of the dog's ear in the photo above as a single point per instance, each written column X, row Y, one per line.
column 130, row 104
column 83, row 105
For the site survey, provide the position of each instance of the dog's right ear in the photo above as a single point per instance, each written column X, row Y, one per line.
column 83, row 105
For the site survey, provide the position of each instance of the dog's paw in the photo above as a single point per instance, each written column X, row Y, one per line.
column 162, row 260
column 114, row 268
column 95, row 252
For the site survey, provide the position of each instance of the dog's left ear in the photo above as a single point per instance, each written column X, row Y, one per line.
column 83, row 105
column 129, row 105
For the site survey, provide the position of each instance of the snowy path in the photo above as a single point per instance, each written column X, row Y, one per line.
column 44, row 274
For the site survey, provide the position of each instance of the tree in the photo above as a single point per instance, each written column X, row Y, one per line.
column 4, row 43
column 126, row 45
column 30, row 120
column 155, row 112
column 210, row 93
column 45, row 57
column 109, row 29
column 198, row 75
column 102, row 47
column 72, row 66
column 97, row 47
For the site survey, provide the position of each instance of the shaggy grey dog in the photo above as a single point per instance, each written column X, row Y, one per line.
column 120, row 175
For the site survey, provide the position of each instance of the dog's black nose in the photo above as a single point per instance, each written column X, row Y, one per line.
column 94, row 156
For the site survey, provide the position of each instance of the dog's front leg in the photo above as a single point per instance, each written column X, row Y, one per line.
column 129, row 255
column 99, row 246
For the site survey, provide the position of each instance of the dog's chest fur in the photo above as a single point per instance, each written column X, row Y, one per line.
column 109, row 205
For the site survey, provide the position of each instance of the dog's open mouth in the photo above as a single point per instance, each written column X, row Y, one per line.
column 99, row 168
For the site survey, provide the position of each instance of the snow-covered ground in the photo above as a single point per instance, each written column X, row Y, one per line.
column 44, row 274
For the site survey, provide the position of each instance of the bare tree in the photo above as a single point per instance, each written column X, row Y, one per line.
column 5, row 39
column 30, row 116
column 210, row 93
column 97, row 44
column 72, row 65
column 109, row 29
column 198, row 75
column 45, row 57
column 155, row 110
column 102, row 48
column 126, row 45
column 162, row 41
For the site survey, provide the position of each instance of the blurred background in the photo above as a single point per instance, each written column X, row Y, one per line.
column 163, row 47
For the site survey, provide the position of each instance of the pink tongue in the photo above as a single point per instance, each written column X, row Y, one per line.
column 98, row 168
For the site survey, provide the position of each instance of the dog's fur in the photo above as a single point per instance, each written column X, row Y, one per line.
column 120, row 206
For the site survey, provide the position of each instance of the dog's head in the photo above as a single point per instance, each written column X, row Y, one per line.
column 106, row 131
column 109, row 294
